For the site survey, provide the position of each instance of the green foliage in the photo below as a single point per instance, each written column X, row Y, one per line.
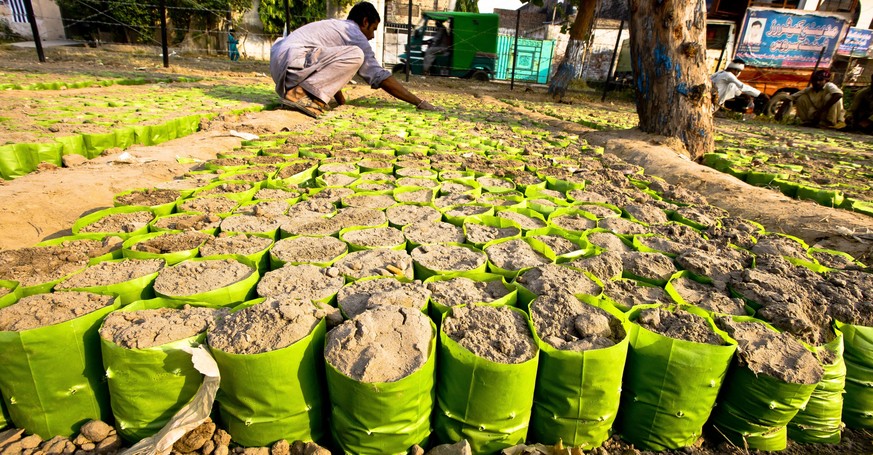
column 272, row 13
column 139, row 21
column 467, row 6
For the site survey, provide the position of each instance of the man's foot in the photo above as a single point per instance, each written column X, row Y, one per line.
column 301, row 101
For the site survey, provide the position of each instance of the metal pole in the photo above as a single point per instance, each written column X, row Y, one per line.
column 848, row 67
column 615, row 52
column 37, row 40
column 515, row 51
column 817, row 61
column 721, row 57
column 287, row 17
column 162, row 6
column 409, row 41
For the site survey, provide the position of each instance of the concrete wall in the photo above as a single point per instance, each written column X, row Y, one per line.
column 601, row 55
column 48, row 20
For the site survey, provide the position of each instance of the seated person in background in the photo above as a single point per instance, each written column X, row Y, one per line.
column 820, row 104
column 437, row 45
column 860, row 115
column 733, row 94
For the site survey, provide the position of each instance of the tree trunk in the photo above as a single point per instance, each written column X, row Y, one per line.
column 668, row 56
column 570, row 67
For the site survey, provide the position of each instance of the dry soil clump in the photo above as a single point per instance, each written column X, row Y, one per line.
column 551, row 277
column 378, row 262
column 355, row 298
column 384, row 344
column 196, row 277
column 304, row 282
column 43, row 310
column 679, row 324
column 498, row 334
column 309, row 249
column 106, row 273
column 144, row 329
column 275, row 323
column 566, row 323
column 448, row 258
column 464, row 291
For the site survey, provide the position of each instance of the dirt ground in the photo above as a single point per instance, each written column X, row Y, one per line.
column 45, row 204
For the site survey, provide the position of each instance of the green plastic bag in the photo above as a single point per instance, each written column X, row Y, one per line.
column 670, row 386
column 4, row 416
column 858, row 401
column 52, row 377
column 16, row 161
column 383, row 417
column 96, row 143
column 753, row 410
column 148, row 386
column 273, row 395
column 820, row 420
column 578, row 393
column 486, row 403
column 139, row 288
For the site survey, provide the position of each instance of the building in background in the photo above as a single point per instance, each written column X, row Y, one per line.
column 48, row 19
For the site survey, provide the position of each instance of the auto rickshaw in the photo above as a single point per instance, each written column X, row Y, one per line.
column 472, row 49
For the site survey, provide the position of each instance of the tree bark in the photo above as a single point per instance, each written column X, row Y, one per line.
column 570, row 67
column 668, row 57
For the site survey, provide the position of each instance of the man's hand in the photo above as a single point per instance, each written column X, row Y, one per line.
column 425, row 106
column 340, row 98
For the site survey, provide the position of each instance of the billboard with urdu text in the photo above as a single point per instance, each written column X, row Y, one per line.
column 781, row 38
column 857, row 43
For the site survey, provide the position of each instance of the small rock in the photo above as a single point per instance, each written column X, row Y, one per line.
column 88, row 446
column 416, row 450
column 29, row 451
column 221, row 438
column 109, row 444
column 81, row 439
column 195, row 438
column 73, row 160
column 238, row 449
column 280, row 447
column 221, row 450
column 95, row 430
column 256, row 451
column 69, row 448
column 10, row 436
column 332, row 272
column 315, row 449
column 297, row 447
column 460, row 448
column 208, row 448
column 53, row 446
column 31, row 442
column 13, row 448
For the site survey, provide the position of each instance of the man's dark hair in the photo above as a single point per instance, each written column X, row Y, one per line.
column 363, row 11
column 758, row 23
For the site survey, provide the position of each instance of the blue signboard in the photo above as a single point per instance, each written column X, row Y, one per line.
column 857, row 43
column 789, row 38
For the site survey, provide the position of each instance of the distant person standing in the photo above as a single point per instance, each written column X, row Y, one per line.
column 232, row 49
column 438, row 45
column 733, row 94
column 820, row 104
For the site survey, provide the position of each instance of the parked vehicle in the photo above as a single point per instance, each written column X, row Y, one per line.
column 472, row 52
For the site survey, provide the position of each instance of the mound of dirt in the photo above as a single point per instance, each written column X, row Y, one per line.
column 481, row 234
column 188, row 222
column 148, row 197
column 564, row 322
column 646, row 213
column 251, row 223
column 850, row 294
column 716, row 265
column 450, row 258
column 526, row 222
column 552, row 277
column 679, row 324
column 424, row 232
column 494, row 333
column 144, row 329
column 775, row 354
column 622, row 226
column 275, row 323
column 378, row 262
column 120, row 222
column 383, row 237
column 196, row 277
column 384, row 344
column 308, row 249
column 303, row 282
column 243, row 245
column 515, row 254
column 404, row 215
column 464, row 291
column 38, row 265
column 608, row 241
column 171, row 242
column 208, row 205
column 106, row 273
column 708, row 297
column 650, row 266
column 559, row 245
column 362, row 295
column 43, row 310
column 605, row 266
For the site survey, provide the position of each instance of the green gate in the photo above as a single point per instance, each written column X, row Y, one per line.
column 534, row 59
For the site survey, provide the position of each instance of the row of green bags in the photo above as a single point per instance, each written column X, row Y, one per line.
column 21, row 159
column 858, row 407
